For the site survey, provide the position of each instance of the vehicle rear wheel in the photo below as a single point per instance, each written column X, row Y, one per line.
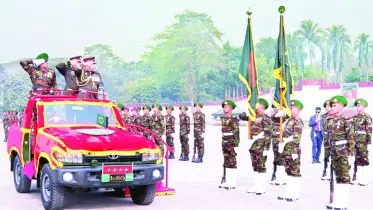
column 143, row 195
column 52, row 194
column 21, row 182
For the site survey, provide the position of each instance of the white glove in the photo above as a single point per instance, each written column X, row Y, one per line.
column 280, row 113
column 294, row 156
column 261, row 135
column 351, row 160
column 265, row 152
column 281, row 147
column 289, row 139
column 37, row 62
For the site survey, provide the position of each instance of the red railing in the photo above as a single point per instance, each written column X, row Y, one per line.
column 70, row 92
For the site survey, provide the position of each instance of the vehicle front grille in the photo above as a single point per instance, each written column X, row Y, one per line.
column 107, row 159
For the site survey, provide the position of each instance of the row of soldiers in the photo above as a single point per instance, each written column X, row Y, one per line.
column 347, row 143
column 11, row 117
column 80, row 76
column 165, row 125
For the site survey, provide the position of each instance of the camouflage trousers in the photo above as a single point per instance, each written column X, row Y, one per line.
column 292, row 167
column 199, row 143
column 184, row 140
column 258, row 161
column 158, row 141
column 362, row 153
column 170, row 141
column 6, row 130
column 230, row 155
column 340, row 163
column 327, row 150
column 278, row 157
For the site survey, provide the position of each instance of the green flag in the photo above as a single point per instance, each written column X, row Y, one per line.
column 248, row 73
column 102, row 120
column 282, row 72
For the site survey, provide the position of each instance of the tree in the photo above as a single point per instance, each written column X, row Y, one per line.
column 309, row 35
column 267, row 47
column 362, row 46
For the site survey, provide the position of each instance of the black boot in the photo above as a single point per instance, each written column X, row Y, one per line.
column 199, row 159
column 181, row 157
column 171, row 156
column 274, row 172
column 185, row 158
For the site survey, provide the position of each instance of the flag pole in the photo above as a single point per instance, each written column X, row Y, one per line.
column 281, row 10
column 249, row 12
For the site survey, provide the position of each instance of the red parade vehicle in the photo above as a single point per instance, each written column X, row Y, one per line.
column 70, row 143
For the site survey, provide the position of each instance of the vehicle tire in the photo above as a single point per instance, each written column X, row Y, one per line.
column 52, row 194
column 21, row 182
column 143, row 195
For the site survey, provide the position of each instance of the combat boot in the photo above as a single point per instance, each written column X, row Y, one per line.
column 199, row 159
column 181, row 157
column 171, row 156
column 185, row 158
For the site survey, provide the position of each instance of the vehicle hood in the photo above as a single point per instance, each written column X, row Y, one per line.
column 120, row 140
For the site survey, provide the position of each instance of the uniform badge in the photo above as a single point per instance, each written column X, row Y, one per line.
column 335, row 100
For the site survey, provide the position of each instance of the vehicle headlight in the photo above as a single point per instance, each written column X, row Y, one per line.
column 69, row 157
column 150, row 156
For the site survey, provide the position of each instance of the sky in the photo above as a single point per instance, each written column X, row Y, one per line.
column 63, row 28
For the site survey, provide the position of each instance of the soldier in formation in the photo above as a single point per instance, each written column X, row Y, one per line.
column 184, row 132
column 126, row 117
column 6, row 121
column 199, row 132
column 136, row 115
column 342, row 142
column 326, row 117
column 41, row 76
column 291, row 151
column 363, row 130
column 230, row 140
column 145, row 120
column 158, row 125
column 170, row 130
column 21, row 116
column 261, row 130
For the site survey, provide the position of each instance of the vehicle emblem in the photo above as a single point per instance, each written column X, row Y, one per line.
column 113, row 156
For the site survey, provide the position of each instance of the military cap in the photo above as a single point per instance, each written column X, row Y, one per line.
column 126, row 108
column 76, row 58
column 136, row 108
column 85, row 60
column 157, row 105
column 183, row 107
column 44, row 56
column 146, row 107
column 327, row 102
column 228, row 102
column 198, row 104
column 297, row 103
column 170, row 107
column 361, row 101
column 339, row 99
column 120, row 106
column 264, row 102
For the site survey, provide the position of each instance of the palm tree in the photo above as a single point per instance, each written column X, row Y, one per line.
column 308, row 34
column 362, row 46
column 293, row 42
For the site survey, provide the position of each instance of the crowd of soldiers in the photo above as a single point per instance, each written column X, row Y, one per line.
column 165, row 125
column 347, row 143
column 12, row 117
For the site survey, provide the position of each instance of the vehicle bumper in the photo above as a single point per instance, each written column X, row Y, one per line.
column 90, row 177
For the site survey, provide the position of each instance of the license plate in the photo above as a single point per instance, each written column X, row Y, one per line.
column 117, row 178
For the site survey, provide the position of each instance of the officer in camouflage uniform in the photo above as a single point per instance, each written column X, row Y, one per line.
column 135, row 115
column 342, row 139
column 21, row 117
column 170, row 130
column 278, row 160
column 325, row 118
column 6, row 121
column 145, row 120
column 184, row 132
column 363, row 131
column 127, row 118
column 158, row 125
column 261, row 130
column 230, row 140
column 199, row 132
column 291, row 151
column 41, row 76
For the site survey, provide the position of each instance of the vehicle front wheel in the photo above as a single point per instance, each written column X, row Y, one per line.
column 143, row 195
column 21, row 182
column 52, row 195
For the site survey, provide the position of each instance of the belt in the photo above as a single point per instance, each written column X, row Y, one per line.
column 340, row 142
column 255, row 137
column 325, row 132
column 227, row 134
column 361, row 132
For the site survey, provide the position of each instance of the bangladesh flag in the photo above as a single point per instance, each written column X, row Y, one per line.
column 102, row 120
column 282, row 72
column 248, row 73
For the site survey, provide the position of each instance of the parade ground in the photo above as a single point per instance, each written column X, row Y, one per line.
column 197, row 184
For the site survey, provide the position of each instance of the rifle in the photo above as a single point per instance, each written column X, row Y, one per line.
column 355, row 170
column 194, row 150
column 325, row 167
column 331, row 183
column 274, row 172
column 223, row 178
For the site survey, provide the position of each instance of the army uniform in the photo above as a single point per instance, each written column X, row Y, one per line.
column 325, row 118
column 90, row 81
column 261, row 130
column 145, row 121
column 71, row 78
column 293, row 128
column 21, row 117
column 136, row 118
column 40, row 78
column 127, row 118
column 230, row 139
column 184, row 132
column 363, row 131
column 170, row 130
column 6, row 121
column 158, row 127
column 199, row 130
column 342, row 140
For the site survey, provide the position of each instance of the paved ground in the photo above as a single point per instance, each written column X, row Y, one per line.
column 196, row 185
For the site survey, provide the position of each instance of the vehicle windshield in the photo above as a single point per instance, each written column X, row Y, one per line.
column 77, row 114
